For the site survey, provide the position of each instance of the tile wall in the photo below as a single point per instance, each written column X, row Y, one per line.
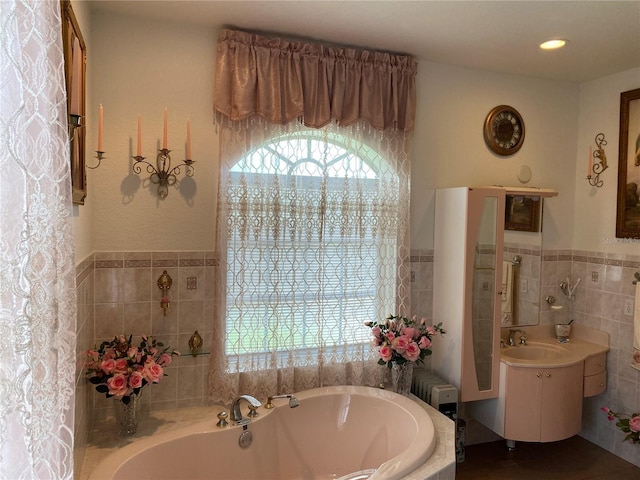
column 605, row 286
column 118, row 294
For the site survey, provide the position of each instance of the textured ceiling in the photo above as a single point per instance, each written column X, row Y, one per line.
column 501, row 36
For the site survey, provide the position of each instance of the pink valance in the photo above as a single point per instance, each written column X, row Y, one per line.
column 281, row 81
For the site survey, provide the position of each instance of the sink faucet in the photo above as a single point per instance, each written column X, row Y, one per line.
column 512, row 340
column 236, row 414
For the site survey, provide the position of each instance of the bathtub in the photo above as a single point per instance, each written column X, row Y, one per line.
column 344, row 432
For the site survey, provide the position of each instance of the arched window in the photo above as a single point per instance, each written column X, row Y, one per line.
column 310, row 253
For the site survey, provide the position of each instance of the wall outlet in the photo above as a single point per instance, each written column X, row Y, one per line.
column 192, row 283
column 628, row 307
column 524, row 286
column 594, row 277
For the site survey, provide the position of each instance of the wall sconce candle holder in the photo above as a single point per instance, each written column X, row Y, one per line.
column 163, row 174
column 99, row 156
column 600, row 164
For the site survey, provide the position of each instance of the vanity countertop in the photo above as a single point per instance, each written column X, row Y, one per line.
column 584, row 342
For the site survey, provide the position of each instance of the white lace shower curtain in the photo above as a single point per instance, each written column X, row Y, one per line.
column 313, row 212
column 37, row 274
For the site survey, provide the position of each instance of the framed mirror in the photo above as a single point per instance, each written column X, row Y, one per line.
column 75, row 63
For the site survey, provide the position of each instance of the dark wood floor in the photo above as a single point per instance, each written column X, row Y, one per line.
column 571, row 459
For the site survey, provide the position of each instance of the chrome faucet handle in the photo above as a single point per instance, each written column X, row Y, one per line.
column 523, row 339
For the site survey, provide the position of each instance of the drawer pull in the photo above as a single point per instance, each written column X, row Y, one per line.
column 548, row 375
column 538, row 375
column 601, row 364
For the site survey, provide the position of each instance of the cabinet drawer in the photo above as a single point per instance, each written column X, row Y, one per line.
column 595, row 384
column 595, row 364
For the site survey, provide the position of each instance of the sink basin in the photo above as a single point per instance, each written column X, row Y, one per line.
column 534, row 352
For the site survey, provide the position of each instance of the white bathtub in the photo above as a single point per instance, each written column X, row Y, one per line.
column 336, row 432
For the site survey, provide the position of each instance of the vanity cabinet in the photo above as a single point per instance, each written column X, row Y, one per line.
column 467, row 280
column 595, row 374
column 543, row 404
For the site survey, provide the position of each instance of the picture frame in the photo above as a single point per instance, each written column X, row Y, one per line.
column 522, row 213
column 75, row 68
column 628, row 201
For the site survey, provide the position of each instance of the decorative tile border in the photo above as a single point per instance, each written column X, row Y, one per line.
column 211, row 260
column 109, row 263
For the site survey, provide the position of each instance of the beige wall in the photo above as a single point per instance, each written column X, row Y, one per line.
column 449, row 148
column 141, row 67
column 595, row 215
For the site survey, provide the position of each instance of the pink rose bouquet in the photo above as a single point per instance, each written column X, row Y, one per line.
column 401, row 340
column 119, row 369
column 629, row 424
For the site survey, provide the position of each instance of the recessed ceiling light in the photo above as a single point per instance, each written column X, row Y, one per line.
column 553, row 44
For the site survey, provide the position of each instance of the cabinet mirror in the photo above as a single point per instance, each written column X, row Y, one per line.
column 521, row 269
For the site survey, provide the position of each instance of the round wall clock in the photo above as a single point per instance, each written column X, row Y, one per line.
column 504, row 130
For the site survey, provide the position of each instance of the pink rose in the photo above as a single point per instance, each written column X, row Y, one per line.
column 134, row 354
column 118, row 385
column 634, row 424
column 609, row 413
column 164, row 360
column 385, row 352
column 122, row 365
column 399, row 344
column 410, row 332
column 424, row 343
column 135, row 380
column 376, row 332
column 412, row 352
column 108, row 366
column 390, row 336
column 109, row 354
column 152, row 372
column 431, row 330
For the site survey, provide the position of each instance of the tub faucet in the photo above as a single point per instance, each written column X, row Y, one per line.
column 236, row 414
column 512, row 333
column 293, row 401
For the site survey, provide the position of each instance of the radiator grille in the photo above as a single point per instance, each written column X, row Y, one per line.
column 423, row 382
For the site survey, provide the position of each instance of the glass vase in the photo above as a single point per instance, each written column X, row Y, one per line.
column 401, row 377
column 127, row 415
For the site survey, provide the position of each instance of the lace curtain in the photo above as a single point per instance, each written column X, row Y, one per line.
column 313, row 212
column 37, row 274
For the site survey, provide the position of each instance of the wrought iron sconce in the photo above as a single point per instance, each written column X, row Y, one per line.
column 600, row 164
column 162, row 174
column 164, row 284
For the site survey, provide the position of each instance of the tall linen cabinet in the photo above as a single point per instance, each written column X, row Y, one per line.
column 467, row 281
